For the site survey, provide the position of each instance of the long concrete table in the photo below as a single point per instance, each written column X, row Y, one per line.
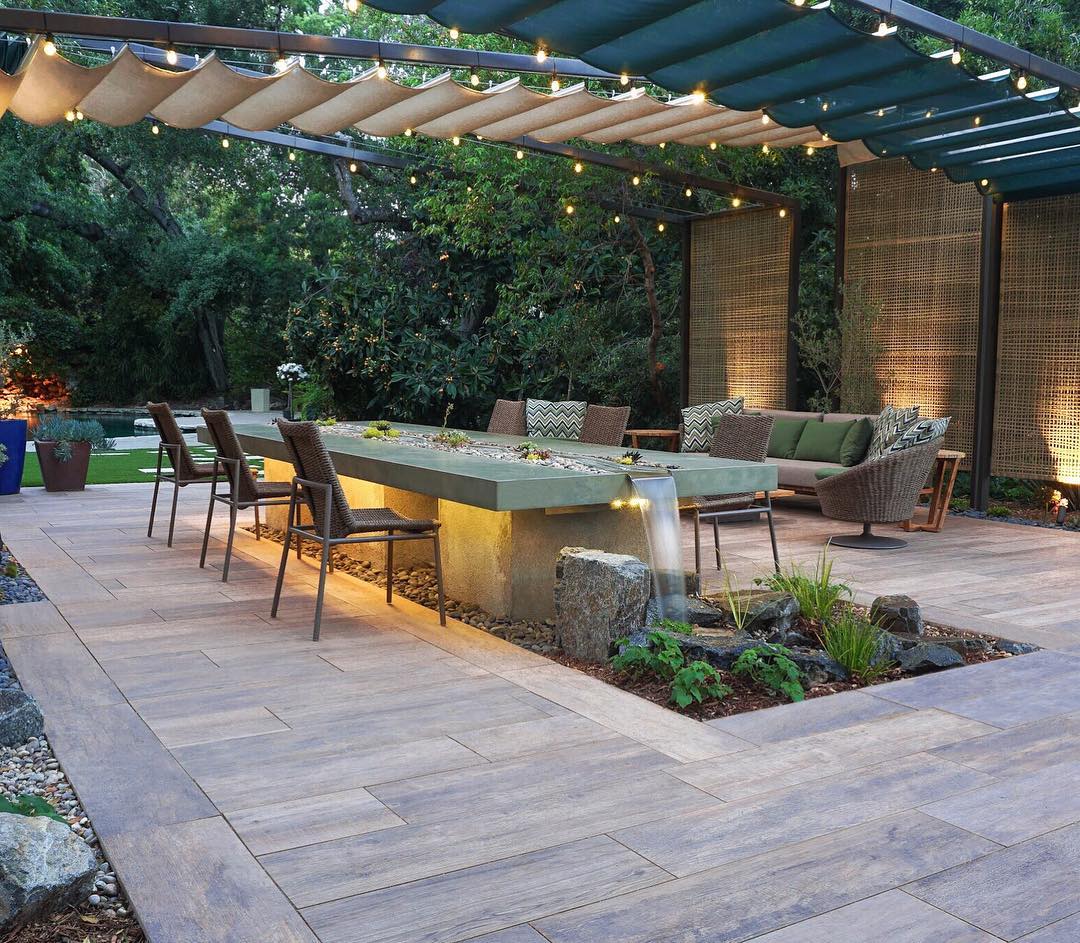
column 503, row 522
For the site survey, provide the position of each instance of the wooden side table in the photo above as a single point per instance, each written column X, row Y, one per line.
column 670, row 437
column 939, row 492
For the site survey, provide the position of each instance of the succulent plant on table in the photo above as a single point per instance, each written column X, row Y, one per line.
column 629, row 458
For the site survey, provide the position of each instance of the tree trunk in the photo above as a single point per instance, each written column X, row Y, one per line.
column 648, row 265
column 210, row 339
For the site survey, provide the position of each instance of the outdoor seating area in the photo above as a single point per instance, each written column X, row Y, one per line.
column 621, row 461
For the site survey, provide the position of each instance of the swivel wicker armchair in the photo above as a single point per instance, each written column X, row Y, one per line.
column 881, row 491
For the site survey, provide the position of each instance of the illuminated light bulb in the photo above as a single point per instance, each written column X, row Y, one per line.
column 520, row 155
column 984, row 182
column 456, row 140
column 635, row 180
column 881, row 112
column 468, row 188
column 977, row 121
column 412, row 179
column 555, row 83
column 618, row 218
column 352, row 5
column 380, row 70
column 578, row 167
column 352, row 167
column 712, row 145
column 69, row 115
column 479, row 137
column 79, row 115
column 624, row 79
column 541, row 54
column 783, row 213
column 281, row 63
column 454, row 32
column 225, row 143
column 170, row 56
column 824, row 106
column 292, row 155
column 408, row 132
column 1021, row 81
column 699, row 97
column 474, row 78
column 933, row 170
column 688, row 192
column 956, row 56
column 618, row 503
column 154, row 129
column 736, row 202
column 824, row 137
column 50, row 46
column 663, row 144
column 569, row 209
column 764, row 148
column 883, row 29
column 799, row 3
column 660, row 228
column 765, row 118
column 809, row 150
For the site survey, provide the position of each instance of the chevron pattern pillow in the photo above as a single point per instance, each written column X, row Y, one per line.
column 888, row 426
column 548, row 420
column 698, row 422
column 919, row 433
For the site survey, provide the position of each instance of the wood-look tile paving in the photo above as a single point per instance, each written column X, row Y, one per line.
column 403, row 782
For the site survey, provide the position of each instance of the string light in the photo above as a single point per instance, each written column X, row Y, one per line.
column 618, row 218
column 635, row 180
column 170, row 56
column 783, row 213
column 380, row 69
column 69, row 115
column 352, row 167
column 352, row 5
column 699, row 97
column 520, row 155
column 454, row 33
column 977, row 121
column 456, row 140
column 578, row 167
column 984, row 182
column 764, row 118
column 689, row 193
column 541, row 54
column 412, row 179
column 408, row 132
column 569, row 209
column 660, row 227
column 736, row 202
column 281, row 63
column 809, row 150
column 292, row 155
column 764, row 148
column 50, row 45
column 154, row 129
column 225, row 143
column 624, row 79
column 555, row 83
column 474, row 78
column 1021, row 81
column 957, row 55
column 712, row 145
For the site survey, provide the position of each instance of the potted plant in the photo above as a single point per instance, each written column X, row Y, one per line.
column 63, row 449
column 12, row 429
column 291, row 373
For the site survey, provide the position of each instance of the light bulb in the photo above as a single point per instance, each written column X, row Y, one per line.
column 764, row 148
column 520, row 155
column 456, row 140
column 292, row 155
column 1021, row 81
column 170, row 56
column 578, row 167
column 352, row 167
column 688, row 192
column 736, row 202
column 618, row 218
column 281, row 63
column 783, row 213
column 412, row 179
column 79, row 115
column 69, row 115
column 479, row 137
column 957, row 55
column 50, row 46
column 764, row 118
column 154, row 129
column 380, row 70
column 824, row 106
column 933, row 170
column 541, row 54
column 984, row 182
column 881, row 112
column 352, row 5
column 977, row 121
column 824, row 137
column 624, row 79
column 569, row 209
column 809, row 150
column 225, row 143
column 661, row 227
column 663, row 144
column 468, row 189
column 408, row 132
column 712, row 145
column 929, row 112
column 699, row 97
column 454, row 32
column 474, row 78
column 635, row 180
column 555, row 83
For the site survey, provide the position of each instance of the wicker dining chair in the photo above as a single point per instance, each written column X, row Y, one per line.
column 245, row 491
column 880, row 491
column 507, row 417
column 605, row 425
column 185, row 470
column 744, row 438
column 335, row 523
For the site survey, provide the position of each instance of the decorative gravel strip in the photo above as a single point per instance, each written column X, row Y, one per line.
column 16, row 584
column 417, row 583
column 1073, row 523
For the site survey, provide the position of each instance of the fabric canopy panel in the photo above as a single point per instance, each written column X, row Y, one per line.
column 45, row 88
column 804, row 66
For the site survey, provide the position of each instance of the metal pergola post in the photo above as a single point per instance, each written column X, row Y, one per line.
column 986, row 356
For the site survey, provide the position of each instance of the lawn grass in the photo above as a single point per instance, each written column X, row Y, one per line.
column 120, row 467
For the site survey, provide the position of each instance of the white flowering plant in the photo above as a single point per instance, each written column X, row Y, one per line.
column 291, row 373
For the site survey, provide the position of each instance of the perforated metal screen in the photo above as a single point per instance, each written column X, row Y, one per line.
column 738, row 308
column 1037, row 413
column 913, row 241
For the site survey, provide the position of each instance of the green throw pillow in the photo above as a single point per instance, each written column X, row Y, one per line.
column 856, row 442
column 784, row 437
column 822, row 473
column 822, row 442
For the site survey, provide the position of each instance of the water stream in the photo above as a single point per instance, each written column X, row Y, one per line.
column 659, row 505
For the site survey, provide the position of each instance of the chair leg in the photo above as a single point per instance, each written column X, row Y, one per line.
column 257, row 527
column 153, row 501
column 323, row 560
column 389, row 568
column 206, row 532
column 172, row 515
column 297, row 513
column 281, row 570
column 716, row 541
column 772, row 532
column 438, row 578
column 229, row 542
column 697, row 546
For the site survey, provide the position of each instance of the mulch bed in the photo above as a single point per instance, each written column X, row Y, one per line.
column 86, row 925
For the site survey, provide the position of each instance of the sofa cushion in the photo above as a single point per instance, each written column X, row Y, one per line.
column 823, row 473
column 697, row 422
column 785, row 437
column 919, row 433
column 793, row 474
column 822, row 442
column 548, row 420
column 888, row 426
column 856, row 442
column 848, row 417
column 790, row 414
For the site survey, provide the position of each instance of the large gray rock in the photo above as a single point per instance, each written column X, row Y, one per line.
column 44, row 867
column 598, row 598
column 20, row 718
column 897, row 613
column 769, row 615
column 925, row 656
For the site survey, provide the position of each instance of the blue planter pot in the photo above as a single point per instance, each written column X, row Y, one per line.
column 13, row 437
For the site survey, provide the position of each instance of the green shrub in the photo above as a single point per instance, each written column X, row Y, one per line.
column 815, row 592
column 697, row 682
column 770, row 666
column 737, row 600
column 855, row 642
column 999, row 510
column 313, row 399
column 65, row 432
column 30, row 806
column 959, row 504
column 663, row 659
column 11, row 569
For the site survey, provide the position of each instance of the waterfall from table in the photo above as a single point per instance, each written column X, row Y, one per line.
column 660, row 513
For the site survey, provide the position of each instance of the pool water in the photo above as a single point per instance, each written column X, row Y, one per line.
column 116, row 425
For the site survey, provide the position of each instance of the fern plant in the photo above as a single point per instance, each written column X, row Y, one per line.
column 772, row 668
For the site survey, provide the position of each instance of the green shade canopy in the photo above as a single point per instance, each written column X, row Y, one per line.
column 804, row 66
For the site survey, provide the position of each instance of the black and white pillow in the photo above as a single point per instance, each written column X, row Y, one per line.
column 548, row 420
column 698, row 422
column 919, row 433
column 888, row 426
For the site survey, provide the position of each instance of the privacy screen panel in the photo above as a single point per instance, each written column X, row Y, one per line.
column 912, row 243
column 738, row 311
column 1037, row 414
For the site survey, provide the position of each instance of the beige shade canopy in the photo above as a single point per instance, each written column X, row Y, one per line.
column 126, row 89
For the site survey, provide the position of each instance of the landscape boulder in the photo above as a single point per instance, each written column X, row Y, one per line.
column 20, row 718
column 898, row 614
column 599, row 597
column 1015, row 648
column 926, row 656
column 769, row 616
column 44, row 867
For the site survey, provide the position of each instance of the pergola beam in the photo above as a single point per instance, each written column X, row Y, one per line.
column 164, row 33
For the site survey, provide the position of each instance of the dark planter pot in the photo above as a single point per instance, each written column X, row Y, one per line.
column 13, row 436
column 63, row 476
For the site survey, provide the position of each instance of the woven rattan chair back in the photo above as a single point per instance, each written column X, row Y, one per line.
column 605, row 425
column 743, row 438
column 171, row 435
column 221, row 430
column 507, row 417
column 312, row 462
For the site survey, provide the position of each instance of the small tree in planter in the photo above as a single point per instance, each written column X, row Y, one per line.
column 291, row 373
column 63, row 449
